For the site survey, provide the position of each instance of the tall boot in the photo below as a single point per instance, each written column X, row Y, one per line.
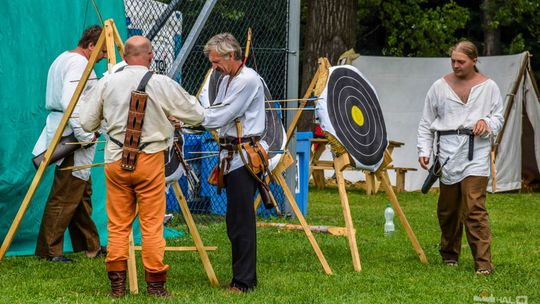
column 118, row 283
column 155, row 284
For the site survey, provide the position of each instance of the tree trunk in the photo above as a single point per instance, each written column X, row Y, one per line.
column 330, row 30
column 492, row 34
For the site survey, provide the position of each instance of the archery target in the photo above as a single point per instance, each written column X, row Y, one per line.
column 210, row 89
column 173, row 168
column 349, row 109
column 274, row 132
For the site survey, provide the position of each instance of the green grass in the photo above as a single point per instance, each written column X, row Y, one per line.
column 289, row 271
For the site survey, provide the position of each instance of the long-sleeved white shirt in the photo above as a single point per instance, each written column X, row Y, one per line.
column 109, row 101
column 443, row 110
column 240, row 97
column 62, row 80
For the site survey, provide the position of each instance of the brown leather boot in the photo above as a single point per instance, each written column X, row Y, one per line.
column 157, row 289
column 155, row 284
column 118, row 283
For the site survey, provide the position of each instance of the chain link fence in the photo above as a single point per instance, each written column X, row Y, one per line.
column 168, row 24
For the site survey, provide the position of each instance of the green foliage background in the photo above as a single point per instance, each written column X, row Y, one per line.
column 429, row 28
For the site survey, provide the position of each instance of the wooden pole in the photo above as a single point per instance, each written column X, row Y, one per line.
column 340, row 163
column 195, row 235
column 302, row 104
column 132, row 266
column 117, row 39
column 321, row 229
column 287, row 160
column 74, row 168
column 510, row 103
column 54, row 142
column 109, row 41
column 385, row 182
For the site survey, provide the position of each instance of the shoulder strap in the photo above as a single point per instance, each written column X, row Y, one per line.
column 144, row 81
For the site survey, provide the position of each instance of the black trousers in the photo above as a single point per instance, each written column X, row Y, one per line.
column 241, row 227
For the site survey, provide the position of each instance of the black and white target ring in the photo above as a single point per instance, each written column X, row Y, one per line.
column 274, row 131
column 355, row 114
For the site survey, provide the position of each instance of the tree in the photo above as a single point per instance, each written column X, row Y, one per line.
column 517, row 21
column 418, row 28
column 330, row 30
column 492, row 32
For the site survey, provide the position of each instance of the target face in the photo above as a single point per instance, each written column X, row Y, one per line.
column 356, row 117
column 274, row 132
column 213, row 84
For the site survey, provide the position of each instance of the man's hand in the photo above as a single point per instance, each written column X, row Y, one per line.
column 480, row 128
column 177, row 123
column 424, row 161
column 94, row 140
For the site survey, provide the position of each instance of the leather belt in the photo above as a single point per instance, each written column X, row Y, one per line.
column 231, row 140
column 467, row 132
column 121, row 145
column 230, row 144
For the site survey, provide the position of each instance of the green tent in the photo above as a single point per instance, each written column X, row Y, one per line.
column 33, row 33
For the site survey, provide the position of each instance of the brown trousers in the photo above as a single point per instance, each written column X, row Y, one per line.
column 69, row 206
column 464, row 204
column 145, row 186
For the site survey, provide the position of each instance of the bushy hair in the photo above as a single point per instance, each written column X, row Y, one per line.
column 90, row 35
column 224, row 44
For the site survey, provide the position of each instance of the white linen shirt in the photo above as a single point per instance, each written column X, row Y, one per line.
column 443, row 111
column 242, row 98
column 62, row 80
column 109, row 101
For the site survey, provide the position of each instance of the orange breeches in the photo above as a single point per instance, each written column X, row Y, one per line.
column 145, row 186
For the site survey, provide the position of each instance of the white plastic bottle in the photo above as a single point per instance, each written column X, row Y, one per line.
column 389, row 227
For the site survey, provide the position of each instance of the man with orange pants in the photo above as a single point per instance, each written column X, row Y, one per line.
column 136, row 175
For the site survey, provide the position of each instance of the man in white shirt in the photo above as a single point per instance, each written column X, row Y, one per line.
column 240, row 95
column 462, row 110
column 69, row 203
column 144, row 183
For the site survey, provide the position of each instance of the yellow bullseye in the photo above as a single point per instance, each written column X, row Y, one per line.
column 357, row 116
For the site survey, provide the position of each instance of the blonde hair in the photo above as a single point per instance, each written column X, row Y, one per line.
column 224, row 44
column 466, row 47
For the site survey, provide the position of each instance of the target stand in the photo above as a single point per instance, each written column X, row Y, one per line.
column 275, row 137
column 285, row 162
column 343, row 159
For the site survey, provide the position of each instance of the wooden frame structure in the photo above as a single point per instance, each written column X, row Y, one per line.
column 109, row 38
column 285, row 162
column 339, row 164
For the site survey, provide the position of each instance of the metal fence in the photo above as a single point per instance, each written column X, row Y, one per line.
column 168, row 23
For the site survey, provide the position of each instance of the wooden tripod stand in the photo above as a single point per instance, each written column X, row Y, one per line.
column 108, row 38
column 285, row 162
column 339, row 164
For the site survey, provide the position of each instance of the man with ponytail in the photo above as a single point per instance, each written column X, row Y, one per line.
column 462, row 110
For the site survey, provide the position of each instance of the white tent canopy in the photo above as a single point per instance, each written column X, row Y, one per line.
column 402, row 84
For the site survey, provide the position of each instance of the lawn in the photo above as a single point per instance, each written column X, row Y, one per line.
column 289, row 272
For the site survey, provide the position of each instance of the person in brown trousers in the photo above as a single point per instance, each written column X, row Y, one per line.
column 140, row 183
column 69, row 204
column 462, row 111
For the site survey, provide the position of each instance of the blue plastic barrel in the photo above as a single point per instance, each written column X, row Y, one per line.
column 303, row 151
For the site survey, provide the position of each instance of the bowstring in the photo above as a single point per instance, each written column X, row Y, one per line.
column 85, row 13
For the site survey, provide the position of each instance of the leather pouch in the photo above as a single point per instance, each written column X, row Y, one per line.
column 62, row 150
column 434, row 173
